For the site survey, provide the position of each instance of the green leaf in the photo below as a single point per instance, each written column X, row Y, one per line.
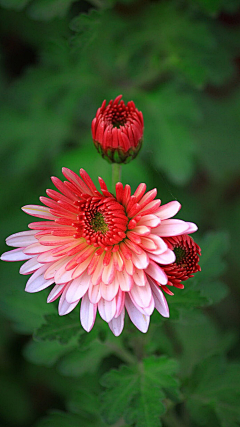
column 137, row 393
column 214, row 247
column 86, row 27
column 186, row 299
column 199, row 338
column 47, row 353
column 63, row 419
column 14, row 390
column 49, row 9
column 86, row 358
column 215, row 388
column 14, row 4
column 168, row 112
column 221, row 126
column 60, row 328
column 25, row 310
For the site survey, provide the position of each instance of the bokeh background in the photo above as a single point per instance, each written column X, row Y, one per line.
column 179, row 61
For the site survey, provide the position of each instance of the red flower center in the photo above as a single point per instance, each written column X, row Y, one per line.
column 101, row 221
column 117, row 114
column 187, row 258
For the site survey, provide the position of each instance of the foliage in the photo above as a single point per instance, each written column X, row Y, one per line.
column 137, row 392
column 179, row 62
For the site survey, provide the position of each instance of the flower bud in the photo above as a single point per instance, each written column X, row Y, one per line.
column 117, row 131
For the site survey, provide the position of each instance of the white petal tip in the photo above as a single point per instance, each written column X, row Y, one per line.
column 191, row 227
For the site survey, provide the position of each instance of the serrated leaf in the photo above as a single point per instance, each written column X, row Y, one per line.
column 186, row 299
column 215, row 387
column 136, row 393
column 86, row 27
column 214, row 247
column 60, row 328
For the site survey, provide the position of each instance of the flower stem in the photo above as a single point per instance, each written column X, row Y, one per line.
column 116, row 175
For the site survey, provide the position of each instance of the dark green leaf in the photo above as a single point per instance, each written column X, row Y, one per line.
column 60, row 328
column 199, row 338
column 218, row 136
column 137, row 393
column 49, row 9
column 215, row 387
column 63, row 419
column 14, row 4
column 47, row 353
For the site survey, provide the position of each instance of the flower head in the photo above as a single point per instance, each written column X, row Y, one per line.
column 109, row 252
column 117, row 131
column 187, row 254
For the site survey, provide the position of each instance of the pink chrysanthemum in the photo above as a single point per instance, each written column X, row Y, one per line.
column 117, row 131
column 102, row 249
column 187, row 254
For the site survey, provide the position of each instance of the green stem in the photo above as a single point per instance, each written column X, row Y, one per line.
column 116, row 174
column 122, row 353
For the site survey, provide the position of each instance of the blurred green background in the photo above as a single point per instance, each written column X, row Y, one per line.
column 179, row 61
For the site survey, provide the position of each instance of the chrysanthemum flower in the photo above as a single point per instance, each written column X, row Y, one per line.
column 117, row 131
column 187, row 254
column 102, row 249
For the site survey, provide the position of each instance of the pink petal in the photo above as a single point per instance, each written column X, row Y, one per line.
column 171, row 227
column 168, row 210
column 160, row 301
column 117, row 323
column 108, row 273
column 191, row 227
column 139, row 277
column 149, row 309
column 157, row 273
column 15, row 255
column 87, row 313
column 97, row 274
column 65, row 307
column 53, row 268
column 38, row 211
column 61, row 275
column 140, row 260
column 129, row 266
column 107, row 309
column 141, row 321
column 142, row 230
column 125, row 281
column 166, row 257
column 94, row 293
column 149, row 220
column 37, row 282
column 78, row 288
column 55, row 292
column 22, row 239
column 159, row 242
column 108, row 292
column 118, row 261
column 82, row 267
column 30, row 266
column 37, row 248
column 148, row 244
column 120, row 300
column 141, row 295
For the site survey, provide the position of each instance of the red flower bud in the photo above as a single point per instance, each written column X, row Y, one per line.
column 117, row 131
